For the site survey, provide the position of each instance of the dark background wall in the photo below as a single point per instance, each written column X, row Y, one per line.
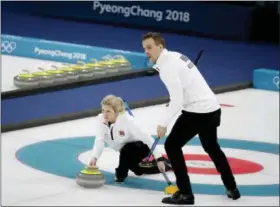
column 231, row 60
column 247, row 21
column 224, row 62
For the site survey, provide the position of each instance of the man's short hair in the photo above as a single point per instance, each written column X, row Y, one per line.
column 156, row 37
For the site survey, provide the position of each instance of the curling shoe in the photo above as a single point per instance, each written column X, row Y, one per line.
column 119, row 180
column 233, row 194
column 179, row 199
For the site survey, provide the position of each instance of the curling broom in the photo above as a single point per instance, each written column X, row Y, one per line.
column 170, row 189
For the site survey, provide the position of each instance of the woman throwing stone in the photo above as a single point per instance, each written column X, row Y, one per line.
column 122, row 133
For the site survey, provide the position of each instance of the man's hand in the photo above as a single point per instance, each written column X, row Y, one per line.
column 161, row 166
column 161, row 131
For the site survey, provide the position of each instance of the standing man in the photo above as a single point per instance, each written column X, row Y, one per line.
column 200, row 114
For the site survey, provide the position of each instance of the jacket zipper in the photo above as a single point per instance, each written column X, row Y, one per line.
column 111, row 132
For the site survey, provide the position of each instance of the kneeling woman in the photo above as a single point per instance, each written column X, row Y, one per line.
column 122, row 133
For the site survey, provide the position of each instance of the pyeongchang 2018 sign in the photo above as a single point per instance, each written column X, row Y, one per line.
column 207, row 18
column 137, row 11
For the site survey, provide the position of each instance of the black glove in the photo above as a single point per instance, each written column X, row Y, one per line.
column 161, row 159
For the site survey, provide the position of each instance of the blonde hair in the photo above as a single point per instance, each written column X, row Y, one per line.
column 115, row 102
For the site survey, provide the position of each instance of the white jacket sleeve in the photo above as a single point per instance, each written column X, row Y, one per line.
column 140, row 134
column 170, row 78
column 99, row 143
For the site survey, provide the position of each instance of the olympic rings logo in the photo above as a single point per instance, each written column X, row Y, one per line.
column 276, row 81
column 8, row 47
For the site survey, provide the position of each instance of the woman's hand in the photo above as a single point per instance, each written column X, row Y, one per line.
column 92, row 163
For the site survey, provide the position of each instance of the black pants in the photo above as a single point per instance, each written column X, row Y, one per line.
column 185, row 128
column 130, row 156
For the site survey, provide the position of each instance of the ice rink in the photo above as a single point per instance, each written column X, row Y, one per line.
column 39, row 164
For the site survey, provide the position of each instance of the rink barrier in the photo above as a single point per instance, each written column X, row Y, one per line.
column 95, row 111
column 119, row 76
column 266, row 79
column 64, row 52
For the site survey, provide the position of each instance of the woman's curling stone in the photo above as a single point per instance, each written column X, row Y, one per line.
column 90, row 178
column 26, row 80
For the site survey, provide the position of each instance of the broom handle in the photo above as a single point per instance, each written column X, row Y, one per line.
column 152, row 149
column 166, row 178
column 127, row 108
column 198, row 57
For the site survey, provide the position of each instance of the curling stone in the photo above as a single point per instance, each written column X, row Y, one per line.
column 71, row 73
column 59, row 76
column 26, row 80
column 84, row 70
column 98, row 69
column 44, row 77
column 90, row 178
column 109, row 65
column 122, row 63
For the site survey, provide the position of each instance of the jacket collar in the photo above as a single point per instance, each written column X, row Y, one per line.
column 160, row 59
